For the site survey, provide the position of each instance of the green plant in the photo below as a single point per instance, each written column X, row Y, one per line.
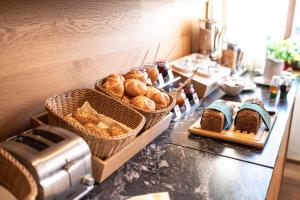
column 286, row 50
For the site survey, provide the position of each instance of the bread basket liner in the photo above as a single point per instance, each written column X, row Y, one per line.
column 152, row 117
column 64, row 103
column 16, row 178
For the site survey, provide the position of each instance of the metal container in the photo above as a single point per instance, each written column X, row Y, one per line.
column 211, row 35
column 59, row 161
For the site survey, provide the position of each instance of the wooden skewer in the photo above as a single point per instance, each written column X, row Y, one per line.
column 172, row 49
column 156, row 53
column 142, row 64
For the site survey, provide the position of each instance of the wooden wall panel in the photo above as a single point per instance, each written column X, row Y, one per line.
column 50, row 46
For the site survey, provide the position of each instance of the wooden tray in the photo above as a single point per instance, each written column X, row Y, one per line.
column 104, row 168
column 257, row 140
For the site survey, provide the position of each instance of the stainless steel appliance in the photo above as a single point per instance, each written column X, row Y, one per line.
column 211, row 35
column 59, row 160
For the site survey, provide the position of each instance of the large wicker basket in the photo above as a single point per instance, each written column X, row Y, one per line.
column 15, row 177
column 151, row 117
column 66, row 102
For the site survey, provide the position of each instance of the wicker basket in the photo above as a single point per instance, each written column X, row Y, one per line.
column 15, row 177
column 66, row 102
column 152, row 117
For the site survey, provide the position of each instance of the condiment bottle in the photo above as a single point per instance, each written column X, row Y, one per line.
column 285, row 86
column 274, row 86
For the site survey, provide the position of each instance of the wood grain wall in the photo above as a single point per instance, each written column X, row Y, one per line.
column 50, row 46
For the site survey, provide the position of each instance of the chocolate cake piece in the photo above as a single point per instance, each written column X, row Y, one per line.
column 249, row 120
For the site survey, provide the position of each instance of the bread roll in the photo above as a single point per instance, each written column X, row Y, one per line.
column 135, row 87
column 143, row 103
column 126, row 99
column 136, row 74
column 152, row 73
column 161, row 99
column 117, row 76
column 114, row 84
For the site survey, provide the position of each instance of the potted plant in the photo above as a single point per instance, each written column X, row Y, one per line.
column 286, row 50
column 274, row 61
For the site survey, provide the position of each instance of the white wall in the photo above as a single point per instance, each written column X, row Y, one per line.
column 294, row 143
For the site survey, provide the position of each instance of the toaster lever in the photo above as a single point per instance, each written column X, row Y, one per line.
column 68, row 168
column 88, row 180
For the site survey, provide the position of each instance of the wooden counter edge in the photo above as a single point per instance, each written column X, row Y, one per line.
column 275, row 183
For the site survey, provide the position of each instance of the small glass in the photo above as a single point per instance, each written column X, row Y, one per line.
column 274, row 86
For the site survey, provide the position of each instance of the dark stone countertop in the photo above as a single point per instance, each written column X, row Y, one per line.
column 193, row 167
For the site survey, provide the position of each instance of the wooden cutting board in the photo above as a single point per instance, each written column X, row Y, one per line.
column 257, row 140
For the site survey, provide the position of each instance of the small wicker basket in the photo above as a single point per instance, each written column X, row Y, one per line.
column 152, row 117
column 15, row 177
column 61, row 105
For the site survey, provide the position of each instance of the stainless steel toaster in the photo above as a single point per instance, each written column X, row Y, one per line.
column 59, row 160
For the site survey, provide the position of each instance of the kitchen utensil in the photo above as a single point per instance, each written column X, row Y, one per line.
column 59, row 161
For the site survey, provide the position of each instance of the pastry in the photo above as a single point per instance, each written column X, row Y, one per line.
column 84, row 118
column 136, row 74
column 114, row 84
column 214, row 117
column 161, row 99
column 116, row 130
column 249, row 120
column 94, row 129
column 152, row 73
column 143, row 103
column 135, row 87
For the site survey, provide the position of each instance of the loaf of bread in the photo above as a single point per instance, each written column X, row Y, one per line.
column 161, row 99
column 215, row 120
column 136, row 74
column 143, row 103
column 248, row 120
column 114, row 84
column 152, row 73
column 135, row 87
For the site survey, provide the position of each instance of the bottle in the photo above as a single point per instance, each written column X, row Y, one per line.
column 285, row 87
column 274, row 86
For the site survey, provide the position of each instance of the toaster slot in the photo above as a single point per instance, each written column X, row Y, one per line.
column 38, row 145
column 49, row 136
